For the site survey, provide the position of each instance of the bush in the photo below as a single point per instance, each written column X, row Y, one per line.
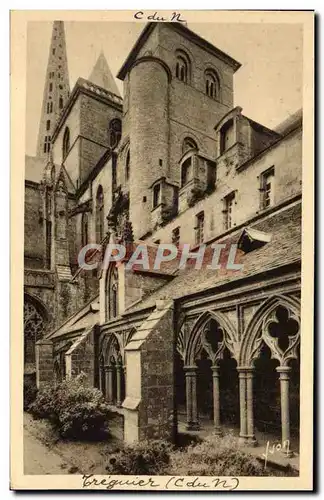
column 43, row 406
column 30, row 392
column 76, row 410
column 215, row 456
column 146, row 457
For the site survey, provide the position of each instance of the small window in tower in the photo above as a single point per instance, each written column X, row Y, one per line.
column 50, row 87
column 48, row 124
column 156, row 195
column 212, row 84
column 48, row 108
column 61, row 102
column 53, row 52
column 59, row 75
column 115, row 131
column 66, row 142
column 199, row 229
column 61, row 87
column 84, row 229
column 51, row 107
column 127, row 169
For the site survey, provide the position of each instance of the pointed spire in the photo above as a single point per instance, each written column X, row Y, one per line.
column 102, row 76
column 56, row 90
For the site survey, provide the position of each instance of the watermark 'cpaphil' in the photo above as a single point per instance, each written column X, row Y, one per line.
column 155, row 258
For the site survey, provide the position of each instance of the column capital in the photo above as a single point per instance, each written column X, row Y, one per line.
column 245, row 369
column 190, row 370
column 284, row 372
column 215, row 370
column 108, row 368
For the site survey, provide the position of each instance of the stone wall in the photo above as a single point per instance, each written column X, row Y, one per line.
column 149, row 403
column 44, row 362
column 34, row 237
column 285, row 156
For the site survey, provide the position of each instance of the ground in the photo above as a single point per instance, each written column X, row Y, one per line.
column 44, row 453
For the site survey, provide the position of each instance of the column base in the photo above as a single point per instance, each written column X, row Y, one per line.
column 193, row 426
column 247, row 441
column 217, row 431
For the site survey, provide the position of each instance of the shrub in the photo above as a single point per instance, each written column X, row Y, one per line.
column 76, row 410
column 146, row 457
column 215, row 456
column 82, row 410
column 30, row 392
column 43, row 406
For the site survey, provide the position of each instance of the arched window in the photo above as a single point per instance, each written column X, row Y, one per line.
column 188, row 144
column 99, row 215
column 85, row 229
column 61, row 102
column 112, row 293
column 115, row 130
column 183, row 68
column 66, row 142
column 48, row 124
column 34, row 324
column 127, row 166
column 114, row 364
column 211, row 84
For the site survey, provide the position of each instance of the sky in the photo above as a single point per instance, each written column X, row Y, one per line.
column 268, row 86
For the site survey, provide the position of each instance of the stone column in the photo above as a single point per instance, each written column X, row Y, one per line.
column 191, row 397
column 243, row 406
column 249, row 406
column 109, row 384
column 119, row 384
column 285, row 417
column 216, row 402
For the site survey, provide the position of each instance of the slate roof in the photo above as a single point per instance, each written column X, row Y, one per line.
column 284, row 248
column 102, row 76
column 82, row 320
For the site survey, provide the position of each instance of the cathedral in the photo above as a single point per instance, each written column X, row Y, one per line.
column 172, row 161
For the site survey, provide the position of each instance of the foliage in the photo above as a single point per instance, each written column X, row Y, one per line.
column 146, row 457
column 43, row 406
column 212, row 456
column 215, row 456
column 30, row 392
column 77, row 410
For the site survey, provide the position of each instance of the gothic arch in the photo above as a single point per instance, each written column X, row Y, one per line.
column 251, row 340
column 35, row 320
column 195, row 335
column 111, row 292
column 111, row 350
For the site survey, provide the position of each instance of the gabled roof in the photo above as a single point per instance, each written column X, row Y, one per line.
column 185, row 32
column 102, row 76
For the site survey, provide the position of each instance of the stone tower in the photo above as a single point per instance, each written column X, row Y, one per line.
column 56, row 90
